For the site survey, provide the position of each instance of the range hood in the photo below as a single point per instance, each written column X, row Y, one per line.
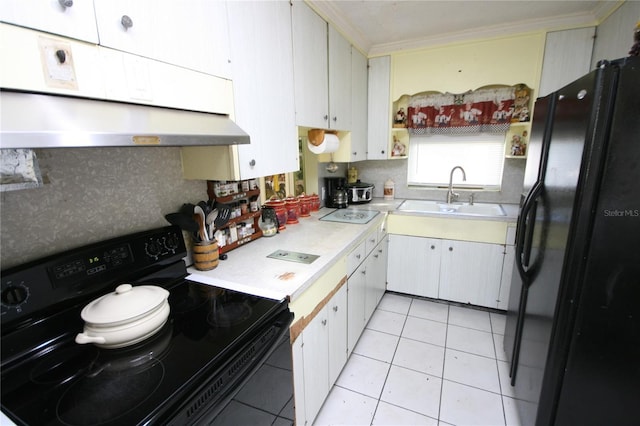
column 30, row 120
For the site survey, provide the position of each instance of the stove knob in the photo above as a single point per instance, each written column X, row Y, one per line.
column 171, row 242
column 153, row 249
column 14, row 295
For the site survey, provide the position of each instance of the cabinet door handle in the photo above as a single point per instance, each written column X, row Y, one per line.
column 364, row 272
column 252, row 163
column 358, row 256
column 324, row 322
column 376, row 256
column 382, row 152
column 326, row 117
column 65, row 3
column 126, row 22
column 433, row 247
column 335, row 119
column 335, row 309
column 379, row 250
column 450, row 248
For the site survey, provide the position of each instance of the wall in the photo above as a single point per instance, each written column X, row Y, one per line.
column 614, row 38
column 378, row 171
column 457, row 68
column 92, row 194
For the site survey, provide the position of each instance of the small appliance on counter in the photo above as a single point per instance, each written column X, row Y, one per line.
column 359, row 192
column 337, row 197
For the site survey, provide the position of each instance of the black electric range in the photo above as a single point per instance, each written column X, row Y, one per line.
column 184, row 374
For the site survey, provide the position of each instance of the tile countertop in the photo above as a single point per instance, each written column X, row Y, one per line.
column 249, row 270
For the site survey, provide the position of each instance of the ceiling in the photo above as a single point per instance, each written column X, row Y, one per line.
column 383, row 26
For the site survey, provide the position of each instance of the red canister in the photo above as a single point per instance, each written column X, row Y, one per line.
column 315, row 202
column 305, row 205
column 281, row 211
column 293, row 209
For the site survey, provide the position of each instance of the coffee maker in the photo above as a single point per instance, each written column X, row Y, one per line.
column 336, row 192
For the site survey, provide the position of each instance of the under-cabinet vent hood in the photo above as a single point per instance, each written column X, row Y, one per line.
column 29, row 120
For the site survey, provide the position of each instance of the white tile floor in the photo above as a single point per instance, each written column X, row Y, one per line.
column 424, row 363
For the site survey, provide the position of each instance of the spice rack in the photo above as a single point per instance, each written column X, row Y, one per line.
column 252, row 217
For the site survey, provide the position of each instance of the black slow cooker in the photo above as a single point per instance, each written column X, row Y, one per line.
column 359, row 192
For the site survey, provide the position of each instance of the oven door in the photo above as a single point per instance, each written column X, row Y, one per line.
column 258, row 382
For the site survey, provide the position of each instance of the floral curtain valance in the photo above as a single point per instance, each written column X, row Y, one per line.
column 483, row 110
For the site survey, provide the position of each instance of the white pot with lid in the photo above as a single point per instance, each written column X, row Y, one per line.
column 124, row 317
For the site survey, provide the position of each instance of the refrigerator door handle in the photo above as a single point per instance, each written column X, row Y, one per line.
column 525, row 233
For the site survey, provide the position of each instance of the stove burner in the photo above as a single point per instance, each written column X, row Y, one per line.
column 108, row 395
column 63, row 365
column 228, row 314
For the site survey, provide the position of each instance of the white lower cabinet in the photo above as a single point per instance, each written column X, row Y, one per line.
column 366, row 284
column 414, row 265
column 321, row 350
column 460, row 271
column 507, row 272
column 471, row 272
column 319, row 354
column 376, row 282
column 357, row 290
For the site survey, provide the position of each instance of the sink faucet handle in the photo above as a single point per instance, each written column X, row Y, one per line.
column 471, row 199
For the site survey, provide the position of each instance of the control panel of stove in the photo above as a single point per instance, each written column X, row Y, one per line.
column 87, row 269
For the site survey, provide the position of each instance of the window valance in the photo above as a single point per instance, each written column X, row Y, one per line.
column 485, row 110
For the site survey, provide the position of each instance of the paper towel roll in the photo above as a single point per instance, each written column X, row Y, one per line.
column 330, row 143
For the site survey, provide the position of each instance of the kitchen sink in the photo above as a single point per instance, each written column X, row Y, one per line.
column 465, row 209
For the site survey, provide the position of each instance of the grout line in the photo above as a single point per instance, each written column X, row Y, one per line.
column 495, row 351
column 391, row 364
column 444, row 360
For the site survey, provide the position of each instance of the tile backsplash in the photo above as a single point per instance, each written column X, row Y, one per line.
column 378, row 171
column 92, row 194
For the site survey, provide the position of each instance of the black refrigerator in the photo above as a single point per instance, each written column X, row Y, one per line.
column 572, row 336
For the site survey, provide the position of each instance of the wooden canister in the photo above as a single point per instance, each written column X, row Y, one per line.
column 205, row 255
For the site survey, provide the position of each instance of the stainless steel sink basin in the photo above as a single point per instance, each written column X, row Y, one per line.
column 428, row 206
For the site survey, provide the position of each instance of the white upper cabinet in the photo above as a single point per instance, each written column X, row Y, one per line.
column 262, row 59
column 359, row 79
column 567, row 56
column 322, row 69
column 74, row 19
column 310, row 67
column 262, row 62
column 379, row 108
column 339, row 81
column 192, row 34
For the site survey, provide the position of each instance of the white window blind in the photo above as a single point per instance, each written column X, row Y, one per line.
column 431, row 159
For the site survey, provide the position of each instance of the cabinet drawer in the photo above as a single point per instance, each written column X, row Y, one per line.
column 356, row 257
column 371, row 241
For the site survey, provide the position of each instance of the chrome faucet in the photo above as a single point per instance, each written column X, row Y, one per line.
column 452, row 196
